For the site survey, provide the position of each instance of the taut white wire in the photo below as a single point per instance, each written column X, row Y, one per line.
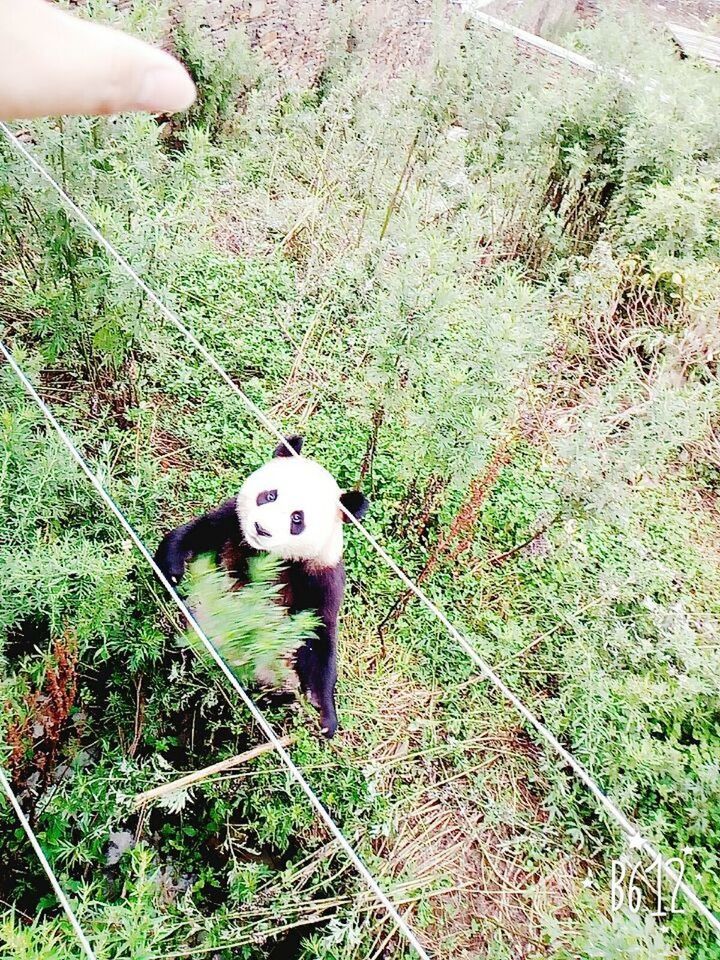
column 55, row 883
column 637, row 840
column 472, row 9
column 235, row 683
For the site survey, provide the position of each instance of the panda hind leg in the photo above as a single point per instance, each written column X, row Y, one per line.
column 317, row 682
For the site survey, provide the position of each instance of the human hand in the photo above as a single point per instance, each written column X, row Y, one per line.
column 53, row 63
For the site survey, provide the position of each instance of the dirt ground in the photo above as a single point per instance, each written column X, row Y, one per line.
column 294, row 34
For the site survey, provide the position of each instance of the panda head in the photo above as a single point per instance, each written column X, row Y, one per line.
column 291, row 507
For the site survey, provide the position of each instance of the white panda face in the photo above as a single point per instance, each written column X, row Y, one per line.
column 291, row 507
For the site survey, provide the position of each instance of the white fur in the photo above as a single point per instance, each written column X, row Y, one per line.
column 301, row 484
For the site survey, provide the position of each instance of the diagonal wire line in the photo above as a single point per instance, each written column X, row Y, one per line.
column 636, row 839
column 258, row 716
column 55, row 883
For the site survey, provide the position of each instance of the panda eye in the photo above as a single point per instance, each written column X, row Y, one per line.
column 296, row 517
column 267, row 496
column 272, row 496
column 297, row 522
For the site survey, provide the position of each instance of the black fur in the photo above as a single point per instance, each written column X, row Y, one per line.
column 303, row 588
column 316, row 661
column 207, row 534
column 355, row 503
column 281, row 450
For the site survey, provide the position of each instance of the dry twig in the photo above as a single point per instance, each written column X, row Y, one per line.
column 191, row 779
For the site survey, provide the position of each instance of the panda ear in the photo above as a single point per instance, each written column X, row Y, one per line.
column 295, row 442
column 355, row 503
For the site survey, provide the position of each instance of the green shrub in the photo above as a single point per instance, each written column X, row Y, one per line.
column 249, row 628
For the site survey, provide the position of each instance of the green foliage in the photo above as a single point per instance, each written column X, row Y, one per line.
column 128, row 929
column 223, row 76
column 625, row 935
column 249, row 628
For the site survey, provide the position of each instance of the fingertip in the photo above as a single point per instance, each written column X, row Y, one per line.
column 54, row 63
column 166, row 88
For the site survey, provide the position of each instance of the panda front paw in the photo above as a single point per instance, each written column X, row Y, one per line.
column 328, row 722
column 171, row 559
column 328, row 716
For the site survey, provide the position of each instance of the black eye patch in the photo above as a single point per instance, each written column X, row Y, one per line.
column 267, row 496
column 297, row 522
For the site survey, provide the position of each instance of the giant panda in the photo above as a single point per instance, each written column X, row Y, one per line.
column 289, row 507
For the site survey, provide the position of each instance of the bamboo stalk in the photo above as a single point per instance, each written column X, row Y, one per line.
column 198, row 775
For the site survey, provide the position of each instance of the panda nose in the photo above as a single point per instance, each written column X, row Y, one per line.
column 261, row 531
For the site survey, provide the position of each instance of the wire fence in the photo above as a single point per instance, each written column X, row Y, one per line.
column 40, row 853
column 256, row 713
column 636, row 839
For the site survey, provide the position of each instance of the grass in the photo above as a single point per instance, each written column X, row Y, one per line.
column 488, row 293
